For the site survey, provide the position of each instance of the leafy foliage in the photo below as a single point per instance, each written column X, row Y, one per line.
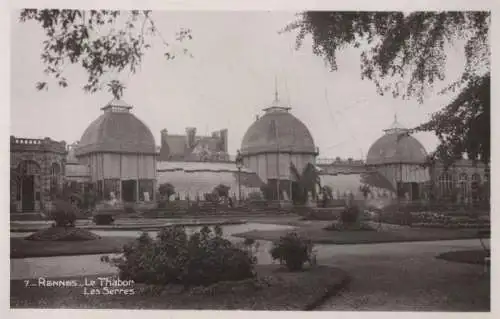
column 306, row 182
column 203, row 258
column 222, row 190
column 410, row 51
column 63, row 213
column 293, row 251
column 166, row 190
column 350, row 215
column 102, row 42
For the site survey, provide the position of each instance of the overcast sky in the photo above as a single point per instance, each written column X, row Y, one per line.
column 227, row 82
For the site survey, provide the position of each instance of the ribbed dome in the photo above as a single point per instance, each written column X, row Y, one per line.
column 277, row 125
column 117, row 131
column 395, row 147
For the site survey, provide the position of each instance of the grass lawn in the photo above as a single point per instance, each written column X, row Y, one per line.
column 465, row 256
column 318, row 235
column 285, row 291
column 21, row 248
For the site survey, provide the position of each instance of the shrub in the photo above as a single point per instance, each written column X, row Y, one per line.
column 166, row 190
column 221, row 190
column 63, row 213
column 293, row 251
column 103, row 219
column 174, row 257
column 350, row 215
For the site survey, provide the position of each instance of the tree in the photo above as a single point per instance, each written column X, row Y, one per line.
column 222, row 190
column 166, row 191
column 406, row 54
column 306, row 182
column 102, row 42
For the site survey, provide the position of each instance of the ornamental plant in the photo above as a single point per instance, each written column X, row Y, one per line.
column 174, row 257
column 293, row 251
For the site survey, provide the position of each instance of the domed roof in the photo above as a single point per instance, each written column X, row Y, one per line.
column 117, row 131
column 395, row 147
column 277, row 128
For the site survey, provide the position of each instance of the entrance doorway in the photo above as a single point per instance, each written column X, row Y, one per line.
column 129, row 188
column 28, row 193
column 415, row 191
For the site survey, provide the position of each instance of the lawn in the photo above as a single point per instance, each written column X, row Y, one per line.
column 282, row 290
column 319, row 235
column 21, row 248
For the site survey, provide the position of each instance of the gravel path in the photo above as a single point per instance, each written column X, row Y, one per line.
column 411, row 280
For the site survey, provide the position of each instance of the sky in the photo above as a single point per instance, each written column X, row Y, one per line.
column 229, row 79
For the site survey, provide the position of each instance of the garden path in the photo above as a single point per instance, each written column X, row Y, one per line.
column 408, row 277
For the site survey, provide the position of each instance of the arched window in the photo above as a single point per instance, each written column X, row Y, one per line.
column 476, row 178
column 464, row 187
column 445, row 184
column 28, row 167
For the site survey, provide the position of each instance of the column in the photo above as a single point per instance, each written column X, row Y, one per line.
column 137, row 190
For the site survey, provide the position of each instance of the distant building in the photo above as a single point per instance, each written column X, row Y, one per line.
column 274, row 142
column 191, row 147
column 37, row 168
column 397, row 166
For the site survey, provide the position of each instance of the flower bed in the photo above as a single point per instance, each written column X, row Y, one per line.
column 431, row 219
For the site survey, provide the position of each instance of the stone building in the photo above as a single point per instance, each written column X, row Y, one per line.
column 37, row 168
column 120, row 152
column 275, row 141
column 464, row 182
column 192, row 147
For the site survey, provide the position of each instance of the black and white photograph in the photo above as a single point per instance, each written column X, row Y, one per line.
column 280, row 160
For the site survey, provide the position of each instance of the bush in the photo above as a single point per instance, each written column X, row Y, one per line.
column 166, row 191
column 350, row 215
column 63, row 213
column 293, row 251
column 203, row 258
column 103, row 219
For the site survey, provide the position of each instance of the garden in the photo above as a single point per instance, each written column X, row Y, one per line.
column 198, row 271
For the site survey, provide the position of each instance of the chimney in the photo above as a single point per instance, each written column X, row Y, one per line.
column 223, row 140
column 164, row 148
column 164, row 134
column 190, row 136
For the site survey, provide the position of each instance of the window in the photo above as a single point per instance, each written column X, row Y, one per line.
column 28, row 168
column 55, row 172
column 464, row 187
column 475, row 184
column 145, row 186
column 445, row 184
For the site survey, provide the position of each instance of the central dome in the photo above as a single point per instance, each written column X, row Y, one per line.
column 277, row 128
column 396, row 147
column 117, row 131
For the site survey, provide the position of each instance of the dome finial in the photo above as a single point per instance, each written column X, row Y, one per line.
column 396, row 126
